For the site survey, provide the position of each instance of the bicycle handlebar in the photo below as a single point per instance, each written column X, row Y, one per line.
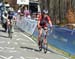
column 51, row 29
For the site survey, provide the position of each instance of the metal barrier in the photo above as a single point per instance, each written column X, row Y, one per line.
column 26, row 24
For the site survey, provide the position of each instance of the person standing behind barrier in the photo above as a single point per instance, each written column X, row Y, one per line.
column 26, row 12
column 43, row 20
column 34, row 16
column 19, row 11
column 38, row 15
column 5, row 18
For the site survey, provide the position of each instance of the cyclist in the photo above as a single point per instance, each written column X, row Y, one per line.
column 11, row 19
column 43, row 21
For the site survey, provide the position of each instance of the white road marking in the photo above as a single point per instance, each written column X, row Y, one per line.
column 33, row 58
column 1, row 48
column 18, row 39
column 28, row 37
column 10, row 48
column 10, row 57
column 22, row 57
column 6, row 57
column 36, row 58
column 8, row 42
column 3, row 57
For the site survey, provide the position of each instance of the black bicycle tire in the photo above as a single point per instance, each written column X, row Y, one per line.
column 45, row 48
column 10, row 31
column 41, row 44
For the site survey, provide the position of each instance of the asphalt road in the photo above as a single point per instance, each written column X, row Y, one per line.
column 22, row 47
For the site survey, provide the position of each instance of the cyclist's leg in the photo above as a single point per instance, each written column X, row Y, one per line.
column 9, row 30
column 45, row 35
column 6, row 26
column 9, row 27
column 39, row 35
column 12, row 26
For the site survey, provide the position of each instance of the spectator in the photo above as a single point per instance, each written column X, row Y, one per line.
column 5, row 18
column 26, row 12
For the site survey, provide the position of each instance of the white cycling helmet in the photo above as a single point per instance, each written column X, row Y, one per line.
column 11, row 9
column 45, row 11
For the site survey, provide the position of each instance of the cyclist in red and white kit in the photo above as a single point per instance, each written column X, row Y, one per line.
column 43, row 21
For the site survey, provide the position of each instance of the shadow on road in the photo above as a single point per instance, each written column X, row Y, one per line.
column 2, row 30
column 29, row 48
column 3, row 36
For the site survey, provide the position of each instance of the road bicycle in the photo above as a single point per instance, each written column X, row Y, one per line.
column 43, row 42
column 10, row 29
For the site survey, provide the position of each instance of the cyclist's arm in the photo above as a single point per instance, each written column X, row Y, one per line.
column 51, row 27
column 49, row 21
column 14, row 18
column 5, row 17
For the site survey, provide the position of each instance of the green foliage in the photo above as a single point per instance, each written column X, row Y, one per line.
column 72, row 57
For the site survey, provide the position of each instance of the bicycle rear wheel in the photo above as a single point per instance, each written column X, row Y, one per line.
column 10, row 31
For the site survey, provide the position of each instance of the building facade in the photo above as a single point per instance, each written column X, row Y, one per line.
column 33, row 4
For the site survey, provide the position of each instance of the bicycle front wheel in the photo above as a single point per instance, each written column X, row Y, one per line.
column 45, row 47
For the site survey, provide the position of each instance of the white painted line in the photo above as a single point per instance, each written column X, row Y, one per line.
column 28, row 37
column 22, row 57
column 33, row 58
column 3, row 57
column 10, row 57
column 18, row 39
column 8, row 42
column 1, row 48
column 36, row 58
column 6, row 57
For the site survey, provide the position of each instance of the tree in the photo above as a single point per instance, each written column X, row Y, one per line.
column 70, row 15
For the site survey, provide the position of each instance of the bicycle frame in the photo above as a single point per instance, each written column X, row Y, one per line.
column 10, row 30
column 42, row 41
